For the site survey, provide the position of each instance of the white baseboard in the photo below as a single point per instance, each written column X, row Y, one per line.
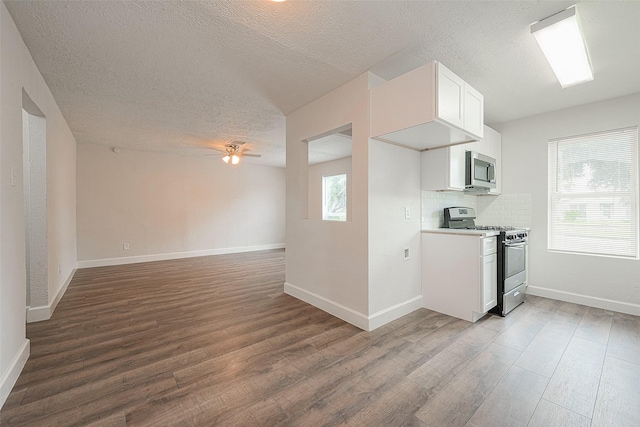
column 362, row 321
column 606, row 304
column 390, row 314
column 38, row 314
column 175, row 255
column 44, row 312
column 10, row 376
column 340, row 311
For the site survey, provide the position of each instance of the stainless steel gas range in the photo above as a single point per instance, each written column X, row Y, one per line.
column 512, row 257
column 512, row 270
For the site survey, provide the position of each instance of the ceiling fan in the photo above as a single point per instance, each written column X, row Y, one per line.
column 232, row 152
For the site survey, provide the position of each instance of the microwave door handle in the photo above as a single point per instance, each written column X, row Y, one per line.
column 491, row 172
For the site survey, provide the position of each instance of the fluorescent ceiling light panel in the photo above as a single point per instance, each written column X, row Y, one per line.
column 561, row 41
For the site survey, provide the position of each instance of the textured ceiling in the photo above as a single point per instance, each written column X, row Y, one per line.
column 178, row 76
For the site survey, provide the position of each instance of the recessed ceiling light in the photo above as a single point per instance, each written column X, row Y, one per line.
column 561, row 41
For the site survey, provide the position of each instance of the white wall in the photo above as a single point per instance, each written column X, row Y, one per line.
column 18, row 72
column 602, row 282
column 169, row 206
column 316, row 172
column 327, row 261
column 355, row 269
column 394, row 184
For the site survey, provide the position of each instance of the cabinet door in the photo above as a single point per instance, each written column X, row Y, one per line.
column 443, row 168
column 492, row 147
column 473, row 111
column 450, row 105
column 456, row 167
column 489, row 282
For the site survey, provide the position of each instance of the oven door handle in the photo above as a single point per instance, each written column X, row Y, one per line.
column 519, row 244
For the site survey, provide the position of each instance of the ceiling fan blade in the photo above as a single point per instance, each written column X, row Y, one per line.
column 251, row 155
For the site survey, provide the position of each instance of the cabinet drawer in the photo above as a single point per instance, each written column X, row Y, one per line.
column 513, row 299
column 489, row 245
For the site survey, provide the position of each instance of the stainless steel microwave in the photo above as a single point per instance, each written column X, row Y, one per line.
column 480, row 172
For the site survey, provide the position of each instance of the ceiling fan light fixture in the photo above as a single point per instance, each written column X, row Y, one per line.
column 562, row 43
column 226, row 158
column 235, row 159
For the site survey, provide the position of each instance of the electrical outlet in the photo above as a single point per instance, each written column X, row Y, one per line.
column 125, row 246
column 407, row 212
column 405, row 251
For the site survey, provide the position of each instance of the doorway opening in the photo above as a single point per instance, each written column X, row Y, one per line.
column 34, row 156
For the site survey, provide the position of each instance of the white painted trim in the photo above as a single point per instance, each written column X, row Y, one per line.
column 39, row 313
column 606, row 304
column 61, row 291
column 390, row 314
column 368, row 323
column 10, row 376
column 175, row 255
column 340, row 311
column 44, row 312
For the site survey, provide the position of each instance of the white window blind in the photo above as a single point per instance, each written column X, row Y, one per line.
column 593, row 194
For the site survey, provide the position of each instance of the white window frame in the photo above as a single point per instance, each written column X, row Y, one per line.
column 561, row 240
column 333, row 216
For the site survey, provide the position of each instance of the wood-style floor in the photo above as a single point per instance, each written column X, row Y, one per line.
column 214, row 341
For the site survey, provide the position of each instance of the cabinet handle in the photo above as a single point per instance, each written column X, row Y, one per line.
column 516, row 294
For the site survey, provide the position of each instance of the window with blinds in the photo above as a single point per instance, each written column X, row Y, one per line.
column 593, row 194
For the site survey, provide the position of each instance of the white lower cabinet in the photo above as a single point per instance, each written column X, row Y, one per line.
column 489, row 282
column 459, row 274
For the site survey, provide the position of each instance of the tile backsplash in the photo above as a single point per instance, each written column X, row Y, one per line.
column 506, row 209
column 434, row 202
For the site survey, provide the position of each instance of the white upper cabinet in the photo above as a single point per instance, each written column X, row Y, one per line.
column 451, row 93
column 426, row 108
column 491, row 145
column 443, row 169
column 473, row 111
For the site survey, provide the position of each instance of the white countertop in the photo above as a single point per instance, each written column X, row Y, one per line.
column 480, row 233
